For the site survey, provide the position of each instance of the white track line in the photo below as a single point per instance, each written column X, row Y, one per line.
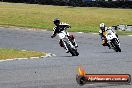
column 130, row 35
column 95, row 33
column 80, row 32
column 47, row 55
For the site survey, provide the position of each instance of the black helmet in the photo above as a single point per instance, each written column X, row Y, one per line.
column 56, row 21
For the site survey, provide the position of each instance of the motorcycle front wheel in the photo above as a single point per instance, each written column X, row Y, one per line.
column 116, row 46
column 71, row 50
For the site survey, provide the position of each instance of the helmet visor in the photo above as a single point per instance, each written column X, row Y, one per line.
column 102, row 28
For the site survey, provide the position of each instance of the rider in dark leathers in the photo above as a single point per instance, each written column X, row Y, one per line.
column 60, row 27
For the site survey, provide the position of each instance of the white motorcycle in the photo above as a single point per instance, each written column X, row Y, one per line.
column 113, row 40
column 68, row 43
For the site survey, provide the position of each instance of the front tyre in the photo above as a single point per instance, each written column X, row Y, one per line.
column 116, row 46
column 75, row 53
column 71, row 50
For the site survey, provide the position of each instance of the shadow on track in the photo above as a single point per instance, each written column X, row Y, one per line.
column 66, row 56
column 105, row 52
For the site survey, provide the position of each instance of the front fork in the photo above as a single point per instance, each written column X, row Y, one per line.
column 75, row 44
column 116, row 40
column 68, row 43
column 72, row 40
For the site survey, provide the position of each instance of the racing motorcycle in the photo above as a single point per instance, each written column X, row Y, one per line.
column 113, row 40
column 68, row 42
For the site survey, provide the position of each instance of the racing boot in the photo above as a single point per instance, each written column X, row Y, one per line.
column 104, row 43
column 61, row 43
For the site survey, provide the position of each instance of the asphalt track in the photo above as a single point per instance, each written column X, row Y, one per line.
column 60, row 71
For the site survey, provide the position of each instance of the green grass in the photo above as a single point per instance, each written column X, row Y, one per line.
column 15, row 53
column 81, row 18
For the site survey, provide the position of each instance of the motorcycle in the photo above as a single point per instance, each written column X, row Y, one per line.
column 68, row 42
column 113, row 40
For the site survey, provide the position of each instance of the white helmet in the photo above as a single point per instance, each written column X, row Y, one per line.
column 102, row 26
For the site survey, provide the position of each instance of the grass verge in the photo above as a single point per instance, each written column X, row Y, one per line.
column 15, row 53
column 84, row 19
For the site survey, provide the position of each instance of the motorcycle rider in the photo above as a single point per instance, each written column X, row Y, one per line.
column 102, row 33
column 60, row 26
